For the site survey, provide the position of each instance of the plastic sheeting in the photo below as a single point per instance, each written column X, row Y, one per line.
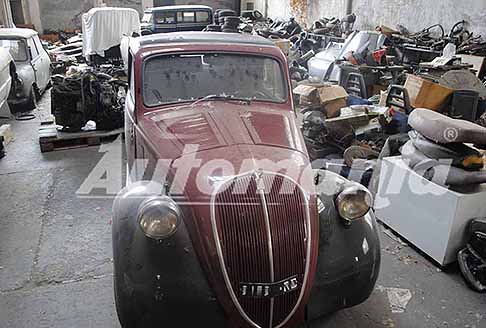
column 105, row 27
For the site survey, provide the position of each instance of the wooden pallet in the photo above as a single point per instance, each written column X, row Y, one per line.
column 50, row 139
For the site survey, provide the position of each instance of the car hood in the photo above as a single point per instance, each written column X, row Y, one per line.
column 217, row 125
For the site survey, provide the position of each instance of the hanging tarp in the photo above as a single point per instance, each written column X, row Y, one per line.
column 104, row 28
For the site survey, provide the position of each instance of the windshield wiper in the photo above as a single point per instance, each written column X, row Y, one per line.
column 222, row 97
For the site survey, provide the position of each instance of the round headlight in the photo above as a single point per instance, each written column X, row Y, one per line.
column 354, row 202
column 159, row 217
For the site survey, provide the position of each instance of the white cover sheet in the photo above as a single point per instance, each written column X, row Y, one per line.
column 104, row 28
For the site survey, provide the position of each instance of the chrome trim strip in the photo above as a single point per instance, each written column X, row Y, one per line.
column 261, row 192
column 220, row 251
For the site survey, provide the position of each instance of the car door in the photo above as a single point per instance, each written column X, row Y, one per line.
column 45, row 63
column 165, row 21
column 35, row 61
column 38, row 64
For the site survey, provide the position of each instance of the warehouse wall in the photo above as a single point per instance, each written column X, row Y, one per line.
column 215, row 4
column 413, row 14
column 66, row 14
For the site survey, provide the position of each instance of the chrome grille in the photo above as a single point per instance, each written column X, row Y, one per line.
column 263, row 239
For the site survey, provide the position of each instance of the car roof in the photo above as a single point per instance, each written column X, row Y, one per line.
column 201, row 37
column 17, row 32
column 177, row 7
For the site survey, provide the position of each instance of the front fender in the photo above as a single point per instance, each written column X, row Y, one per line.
column 349, row 257
column 26, row 73
column 163, row 278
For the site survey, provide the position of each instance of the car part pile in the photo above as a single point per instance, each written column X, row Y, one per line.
column 334, row 26
column 325, row 141
column 89, row 95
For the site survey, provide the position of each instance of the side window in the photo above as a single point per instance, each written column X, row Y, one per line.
column 186, row 17
column 33, row 48
column 202, row 17
column 164, row 17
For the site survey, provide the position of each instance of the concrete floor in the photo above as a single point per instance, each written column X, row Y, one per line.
column 56, row 262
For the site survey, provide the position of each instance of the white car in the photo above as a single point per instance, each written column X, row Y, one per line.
column 32, row 75
column 7, row 68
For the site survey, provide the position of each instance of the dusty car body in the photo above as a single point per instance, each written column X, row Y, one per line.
column 32, row 63
column 176, row 18
column 7, row 69
column 235, row 240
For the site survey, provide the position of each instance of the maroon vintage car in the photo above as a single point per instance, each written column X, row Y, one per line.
column 224, row 223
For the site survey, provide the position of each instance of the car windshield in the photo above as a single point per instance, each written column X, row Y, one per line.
column 180, row 78
column 16, row 48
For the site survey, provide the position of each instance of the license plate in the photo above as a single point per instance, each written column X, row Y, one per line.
column 269, row 290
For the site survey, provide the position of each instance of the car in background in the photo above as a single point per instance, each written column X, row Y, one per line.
column 32, row 75
column 176, row 18
column 224, row 222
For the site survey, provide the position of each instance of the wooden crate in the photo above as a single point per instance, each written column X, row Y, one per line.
column 50, row 139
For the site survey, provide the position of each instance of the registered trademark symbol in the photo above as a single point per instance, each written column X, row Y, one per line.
column 451, row 134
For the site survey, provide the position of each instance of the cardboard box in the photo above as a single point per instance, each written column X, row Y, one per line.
column 330, row 98
column 308, row 94
column 333, row 98
column 333, row 108
column 426, row 94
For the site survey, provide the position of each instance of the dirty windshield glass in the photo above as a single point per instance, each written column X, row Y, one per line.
column 178, row 78
column 16, row 48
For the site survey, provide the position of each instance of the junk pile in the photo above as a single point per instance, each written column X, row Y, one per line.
column 380, row 77
column 90, row 84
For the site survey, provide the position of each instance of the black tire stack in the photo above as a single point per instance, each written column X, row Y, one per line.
column 231, row 24
column 213, row 28
column 220, row 13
